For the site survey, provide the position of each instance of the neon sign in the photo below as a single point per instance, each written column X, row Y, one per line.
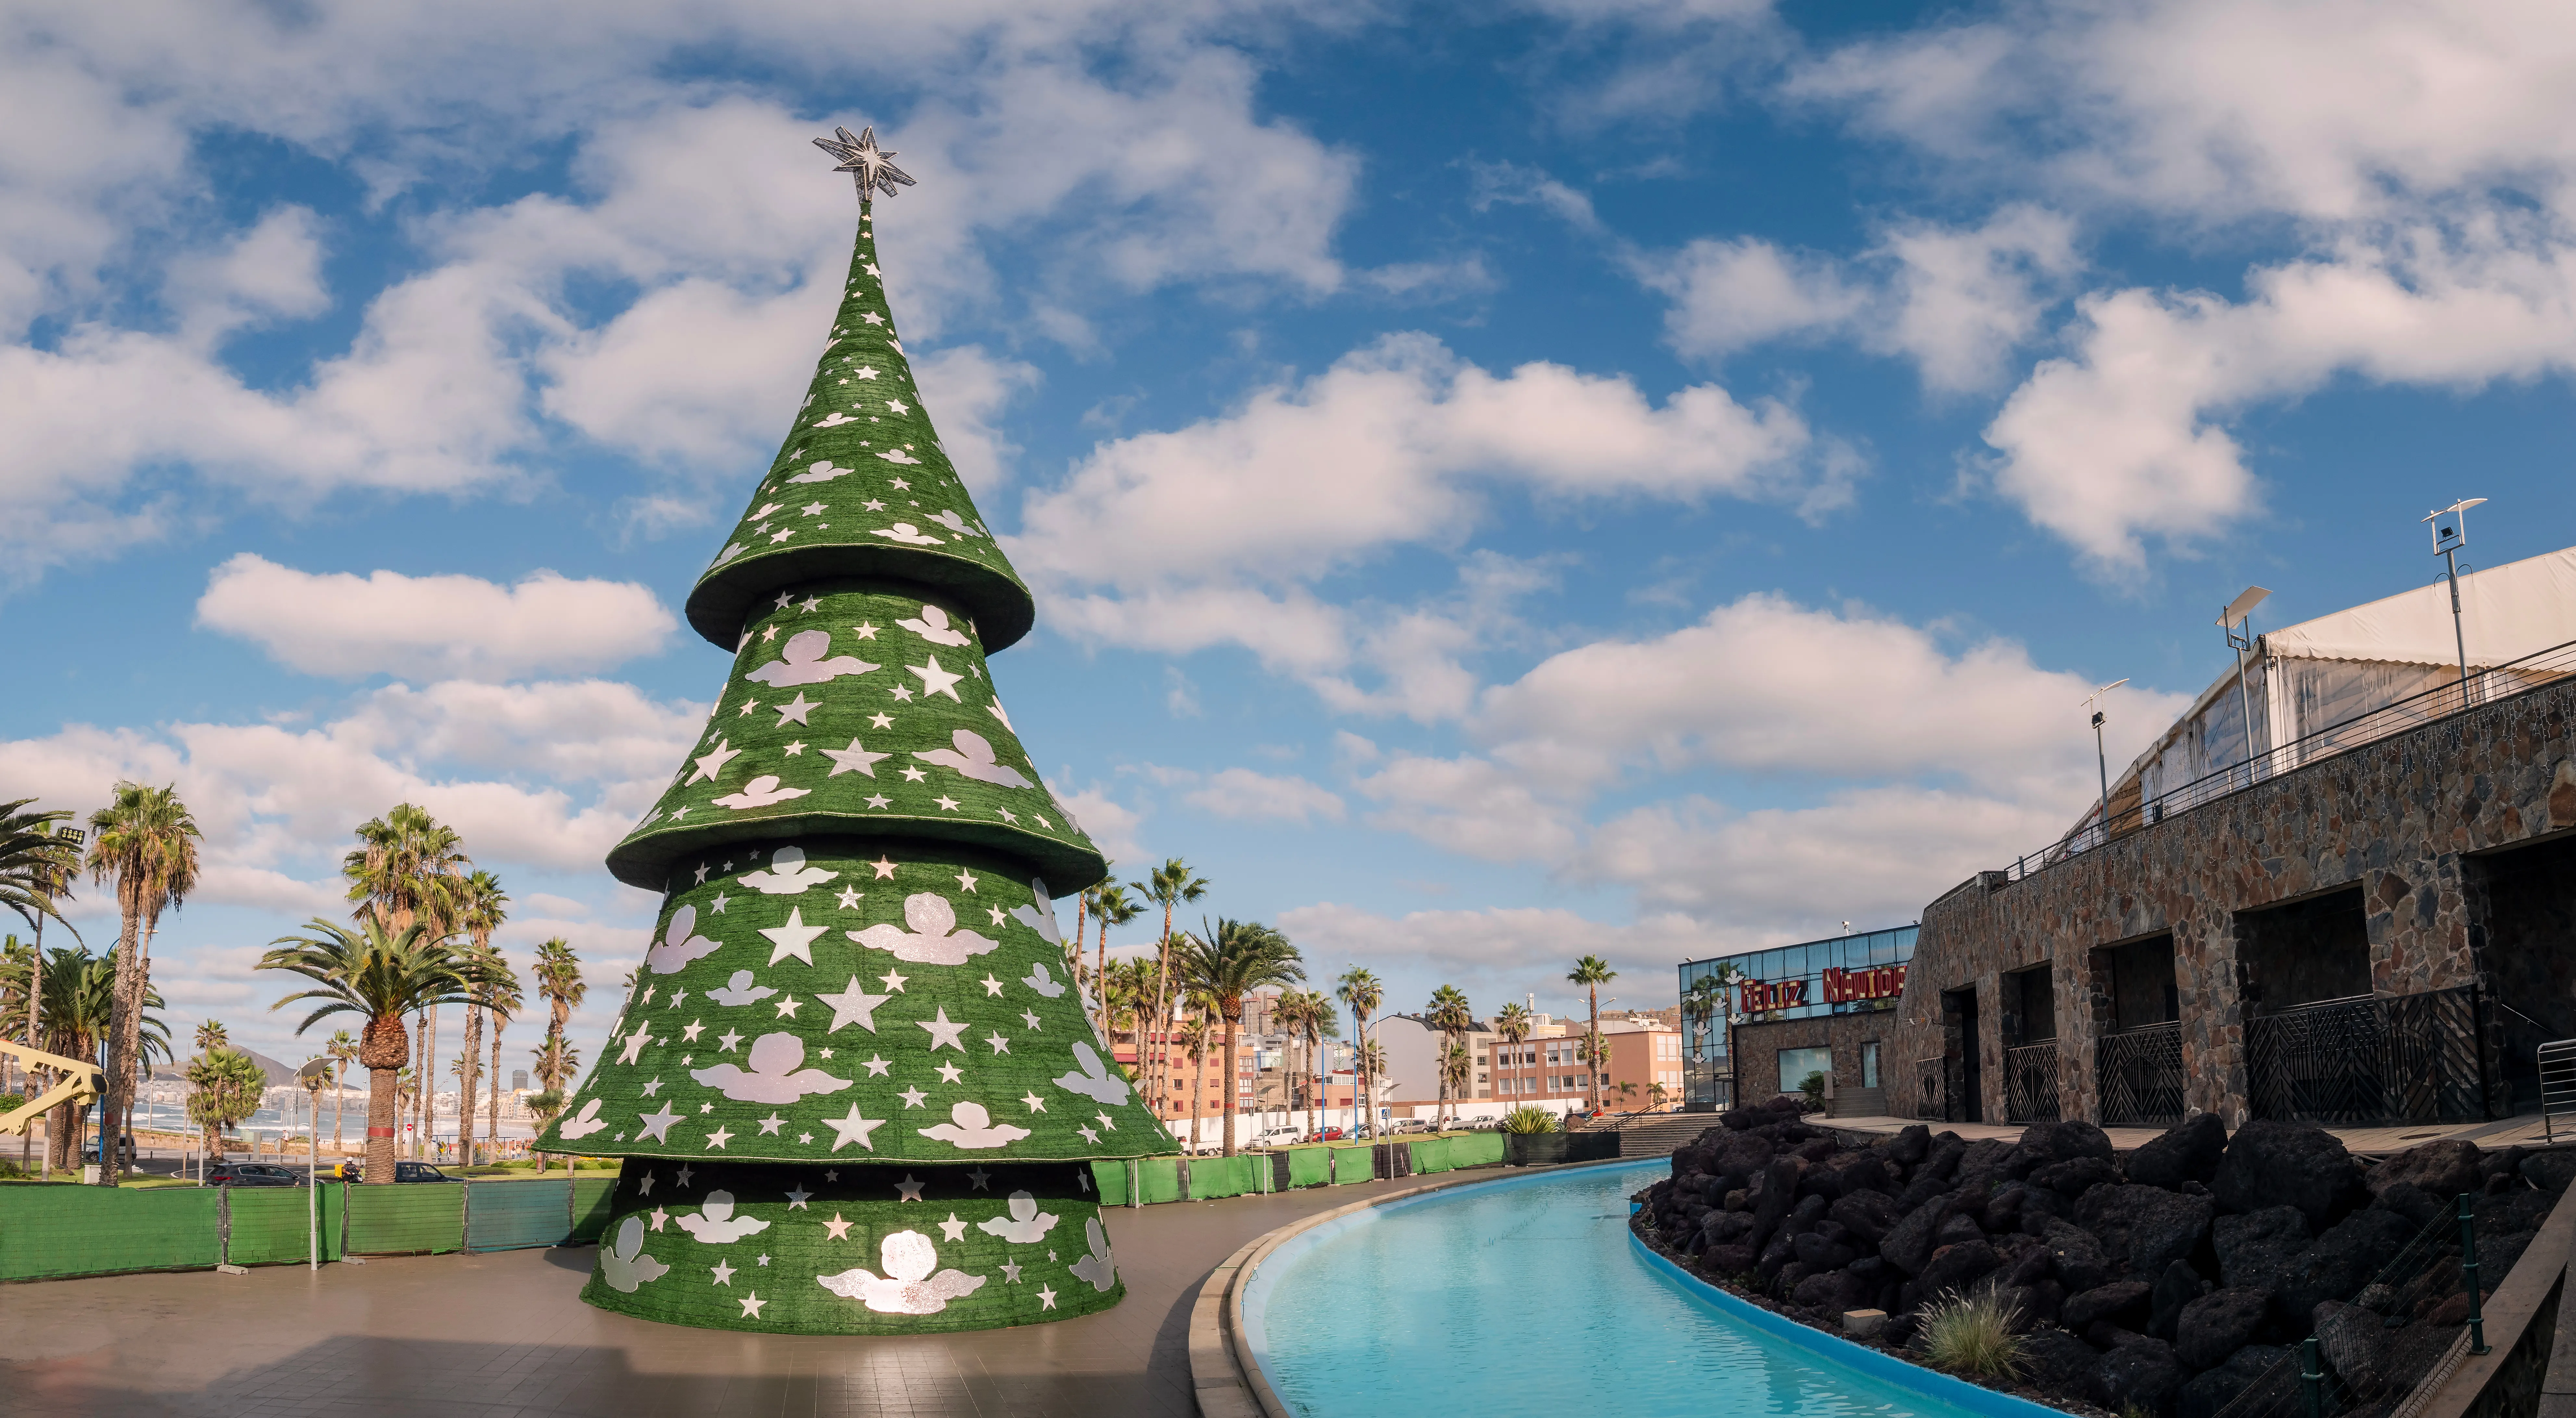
column 1840, row 987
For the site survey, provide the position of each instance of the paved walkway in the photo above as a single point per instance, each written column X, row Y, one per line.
column 504, row 1335
column 2369, row 1142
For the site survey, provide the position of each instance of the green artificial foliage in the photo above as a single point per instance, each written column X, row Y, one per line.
column 855, row 1085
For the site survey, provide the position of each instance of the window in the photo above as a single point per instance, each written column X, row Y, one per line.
column 1869, row 1064
column 1796, row 1064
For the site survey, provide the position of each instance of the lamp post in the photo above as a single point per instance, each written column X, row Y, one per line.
column 314, row 1073
column 2450, row 533
column 2238, row 621
column 2101, row 760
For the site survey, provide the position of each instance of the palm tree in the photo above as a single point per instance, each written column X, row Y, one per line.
column 1372, row 1062
column 481, row 907
column 34, row 859
column 1111, row 906
column 407, row 870
column 146, row 842
column 1322, row 1023
column 1592, row 972
column 557, row 1061
column 1455, row 1065
column 379, row 976
column 497, row 990
column 1231, row 960
column 80, row 1016
column 1360, row 992
column 342, row 1051
column 1169, row 884
column 1453, row 1017
column 542, row 1107
column 1512, row 1026
column 1294, row 1014
column 224, row 1087
column 38, row 859
column 212, row 1035
column 1190, row 1036
column 558, row 976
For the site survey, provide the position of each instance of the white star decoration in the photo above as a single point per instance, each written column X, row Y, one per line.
column 952, row 1229
column 853, row 759
column 836, row 1229
column 724, row 1273
column 908, row 1189
column 935, row 680
column 943, row 1033
column 853, row 1006
column 796, row 1199
column 853, row 1129
column 794, row 938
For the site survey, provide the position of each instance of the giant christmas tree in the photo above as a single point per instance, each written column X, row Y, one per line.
column 855, row 1086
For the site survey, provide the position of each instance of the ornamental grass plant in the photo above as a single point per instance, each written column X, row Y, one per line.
column 1971, row 1335
column 1529, row 1118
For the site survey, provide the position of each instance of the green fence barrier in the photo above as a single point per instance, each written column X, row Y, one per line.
column 1476, row 1149
column 406, row 1219
column 47, row 1232
column 1159, row 1179
column 1111, row 1178
column 1430, row 1154
column 590, row 1207
column 1352, row 1164
column 1309, row 1166
column 515, row 1215
column 1213, row 1177
column 269, row 1225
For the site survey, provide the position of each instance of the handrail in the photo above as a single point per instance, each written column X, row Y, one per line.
column 79, row 1083
column 2557, row 1060
column 2539, row 668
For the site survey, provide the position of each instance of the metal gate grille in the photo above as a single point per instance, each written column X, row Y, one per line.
column 2394, row 1059
column 2030, row 1083
column 2138, row 1073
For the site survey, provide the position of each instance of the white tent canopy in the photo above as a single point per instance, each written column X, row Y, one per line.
column 2309, row 677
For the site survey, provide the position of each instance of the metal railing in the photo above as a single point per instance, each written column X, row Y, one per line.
column 2138, row 1075
column 2030, row 1082
column 2440, row 702
column 2370, row 1059
column 2557, row 1084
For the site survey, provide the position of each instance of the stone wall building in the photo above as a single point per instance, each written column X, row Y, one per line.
column 2383, row 934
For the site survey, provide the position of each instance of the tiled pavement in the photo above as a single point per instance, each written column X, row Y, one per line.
column 2505, row 1132
column 503, row 1335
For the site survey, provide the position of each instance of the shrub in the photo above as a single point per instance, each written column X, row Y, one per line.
column 1970, row 1335
column 1529, row 1118
column 1812, row 1087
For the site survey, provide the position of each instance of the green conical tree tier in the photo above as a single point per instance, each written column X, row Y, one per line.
column 856, row 1085
column 862, row 486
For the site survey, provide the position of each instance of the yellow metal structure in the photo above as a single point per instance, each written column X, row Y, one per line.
column 80, row 1083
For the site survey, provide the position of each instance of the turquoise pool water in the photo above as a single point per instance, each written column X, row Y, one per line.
column 1526, row 1296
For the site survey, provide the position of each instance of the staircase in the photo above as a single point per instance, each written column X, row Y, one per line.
column 1858, row 1103
column 1650, row 1134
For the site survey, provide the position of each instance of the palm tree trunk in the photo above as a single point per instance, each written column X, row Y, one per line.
column 380, row 1052
column 465, row 1086
column 1228, row 1084
column 1592, row 1066
column 494, row 1132
column 339, row 1096
column 125, row 1017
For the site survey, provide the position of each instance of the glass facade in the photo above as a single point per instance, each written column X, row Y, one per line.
column 1842, row 975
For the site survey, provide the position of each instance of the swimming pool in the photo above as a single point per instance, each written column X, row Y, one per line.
column 1520, row 1295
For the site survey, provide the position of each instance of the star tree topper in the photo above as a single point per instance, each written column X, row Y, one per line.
column 865, row 161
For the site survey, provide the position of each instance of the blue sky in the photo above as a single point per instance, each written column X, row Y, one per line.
column 1501, row 482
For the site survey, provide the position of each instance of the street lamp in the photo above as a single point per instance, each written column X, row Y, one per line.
column 2238, row 621
column 2101, row 761
column 2450, row 533
column 313, row 1075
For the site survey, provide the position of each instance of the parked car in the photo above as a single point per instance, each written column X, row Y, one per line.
column 253, row 1174
column 90, row 1153
column 1405, row 1125
column 1327, row 1135
column 403, row 1172
column 1277, row 1137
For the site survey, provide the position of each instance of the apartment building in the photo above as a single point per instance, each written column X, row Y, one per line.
column 1643, row 1053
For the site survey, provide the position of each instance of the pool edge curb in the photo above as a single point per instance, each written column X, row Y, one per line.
column 1931, row 1383
column 1224, row 1378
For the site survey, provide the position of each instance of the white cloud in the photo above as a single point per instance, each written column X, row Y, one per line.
column 1110, row 824
column 1499, row 954
column 432, row 627
column 1242, row 795
column 1205, row 535
column 2223, row 108
column 1956, row 301
column 2125, row 440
